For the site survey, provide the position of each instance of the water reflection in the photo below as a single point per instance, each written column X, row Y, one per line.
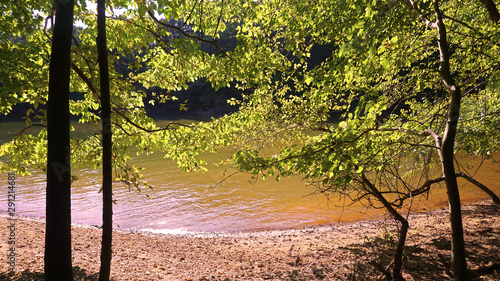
column 182, row 202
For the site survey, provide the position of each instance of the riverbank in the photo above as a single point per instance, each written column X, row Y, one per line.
column 337, row 252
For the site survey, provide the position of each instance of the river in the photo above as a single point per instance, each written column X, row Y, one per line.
column 185, row 202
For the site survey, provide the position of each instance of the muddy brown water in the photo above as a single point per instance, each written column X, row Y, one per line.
column 185, row 202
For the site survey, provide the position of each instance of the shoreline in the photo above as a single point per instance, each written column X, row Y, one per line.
column 333, row 252
column 200, row 233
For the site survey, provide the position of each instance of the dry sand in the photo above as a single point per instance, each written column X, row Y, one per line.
column 337, row 252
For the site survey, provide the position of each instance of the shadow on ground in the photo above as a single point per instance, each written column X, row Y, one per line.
column 428, row 256
column 79, row 274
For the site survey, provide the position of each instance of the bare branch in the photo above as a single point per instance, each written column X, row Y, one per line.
column 422, row 189
column 488, row 191
column 427, row 186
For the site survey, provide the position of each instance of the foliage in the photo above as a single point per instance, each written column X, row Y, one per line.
column 386, row 84
column 377, row 72
column 379, row 75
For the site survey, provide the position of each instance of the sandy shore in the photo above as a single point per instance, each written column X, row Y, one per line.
column 337, row 252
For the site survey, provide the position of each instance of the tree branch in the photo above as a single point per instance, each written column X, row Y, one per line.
column 213, row 42
column 488, row 191
column 86, row 80
column 150, row 130
column 427, row 186
column 27, row 128
column 492, row 10
column 430, row 24
column 425, row 133
column 422, row 189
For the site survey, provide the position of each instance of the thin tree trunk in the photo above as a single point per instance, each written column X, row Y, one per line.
column 58, row 266
column 446, row 144
column 398, row 255
column 458, row 260
column 107, row 197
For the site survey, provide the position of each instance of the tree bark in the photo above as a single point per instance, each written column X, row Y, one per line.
column 107, row 172
column 58, row 266
column 446, row 144
column 458, row 260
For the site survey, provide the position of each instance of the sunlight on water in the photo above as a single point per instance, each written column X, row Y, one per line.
column 185, row 202
column 176, row 231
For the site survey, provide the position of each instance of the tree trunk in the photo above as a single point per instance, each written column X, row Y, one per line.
column 458, row 260
column 58, row 266
column 107, row 172
column 398, row 255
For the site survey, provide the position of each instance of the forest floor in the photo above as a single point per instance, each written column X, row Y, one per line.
column 337, row 252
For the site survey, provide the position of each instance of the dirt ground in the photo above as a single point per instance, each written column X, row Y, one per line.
column 336, row 252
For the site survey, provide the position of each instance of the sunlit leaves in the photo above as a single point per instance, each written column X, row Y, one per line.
column 16, row 156
column 480, row 122
column 378, row 75
column 384, row 63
